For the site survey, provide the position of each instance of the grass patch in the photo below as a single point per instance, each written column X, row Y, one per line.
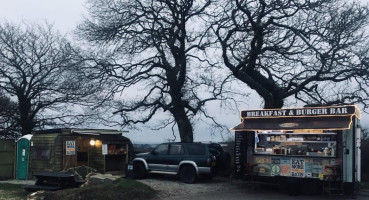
column 12, row 191
column 122, row 189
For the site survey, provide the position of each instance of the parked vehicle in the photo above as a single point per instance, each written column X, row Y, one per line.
column 223, row 159
column 187, row 160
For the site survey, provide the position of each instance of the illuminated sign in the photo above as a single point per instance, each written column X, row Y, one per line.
column 318, row 111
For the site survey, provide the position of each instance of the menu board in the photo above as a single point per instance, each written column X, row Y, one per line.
column 240, row 151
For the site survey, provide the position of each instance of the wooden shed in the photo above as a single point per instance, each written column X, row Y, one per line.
column 61, row 149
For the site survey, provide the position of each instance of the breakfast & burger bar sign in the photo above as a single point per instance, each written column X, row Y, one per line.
column 311, row 111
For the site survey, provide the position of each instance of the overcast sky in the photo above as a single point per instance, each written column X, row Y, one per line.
column 65, row 15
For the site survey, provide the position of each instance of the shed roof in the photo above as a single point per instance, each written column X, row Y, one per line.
column 81, row 131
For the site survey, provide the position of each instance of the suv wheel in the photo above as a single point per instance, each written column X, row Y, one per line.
column 139, row 170
column 188, row 174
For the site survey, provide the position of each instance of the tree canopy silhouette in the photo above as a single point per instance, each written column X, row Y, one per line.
column 315, row 51
column 158, row 44
column 43, row 73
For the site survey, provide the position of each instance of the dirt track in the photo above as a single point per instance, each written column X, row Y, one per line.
column 220, row 188
column 170, row 186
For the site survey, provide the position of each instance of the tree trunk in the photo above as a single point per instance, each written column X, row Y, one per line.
column 267, row 89
column 179, row 113
column 26, row 124
column 184, row 125
column 273, row 102
column 185, row 128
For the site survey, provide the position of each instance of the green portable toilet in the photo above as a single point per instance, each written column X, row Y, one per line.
column 23, row 147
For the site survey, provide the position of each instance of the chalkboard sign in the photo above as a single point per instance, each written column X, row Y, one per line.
column 240, row 156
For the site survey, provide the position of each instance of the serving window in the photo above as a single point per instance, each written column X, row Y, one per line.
column 115, row 149
column 319, row 143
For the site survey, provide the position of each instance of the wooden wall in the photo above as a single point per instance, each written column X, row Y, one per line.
column 53, row 142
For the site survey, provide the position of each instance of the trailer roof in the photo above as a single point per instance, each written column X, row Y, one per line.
column 328, row 118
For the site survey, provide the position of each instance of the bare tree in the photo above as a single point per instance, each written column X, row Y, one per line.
column 316, row 51
column 156, row 45
column 8, row 117
column 42, row 72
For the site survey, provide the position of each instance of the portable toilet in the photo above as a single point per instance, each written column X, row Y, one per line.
column 23, row 149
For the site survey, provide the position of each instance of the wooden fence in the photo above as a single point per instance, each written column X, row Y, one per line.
column 7, row 158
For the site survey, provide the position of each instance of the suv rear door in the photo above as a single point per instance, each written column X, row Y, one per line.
column 198, row 153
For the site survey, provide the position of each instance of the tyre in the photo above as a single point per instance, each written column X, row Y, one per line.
column 139, row 170
column 188, row 174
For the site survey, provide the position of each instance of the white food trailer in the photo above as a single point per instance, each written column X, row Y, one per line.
column 313, row 147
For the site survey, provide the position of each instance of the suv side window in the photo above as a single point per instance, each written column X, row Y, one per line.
column 214, row 152
column 162, row 149
column 217, row 147
column 176, row 149
column 196, row 149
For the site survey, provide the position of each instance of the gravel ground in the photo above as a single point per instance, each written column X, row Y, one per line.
column 170, row 186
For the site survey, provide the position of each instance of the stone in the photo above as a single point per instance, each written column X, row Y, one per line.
column 97, row 178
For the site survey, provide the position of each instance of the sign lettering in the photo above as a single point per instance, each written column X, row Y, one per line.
column 298, row 167
column 70, row 147
column 343, row 110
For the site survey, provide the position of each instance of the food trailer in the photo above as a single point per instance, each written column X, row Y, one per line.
column 313, row 147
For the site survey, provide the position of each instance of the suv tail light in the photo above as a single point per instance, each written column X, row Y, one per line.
column 208, row 162
column 211, row 161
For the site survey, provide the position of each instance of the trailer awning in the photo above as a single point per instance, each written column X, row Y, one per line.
column 328, row 118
